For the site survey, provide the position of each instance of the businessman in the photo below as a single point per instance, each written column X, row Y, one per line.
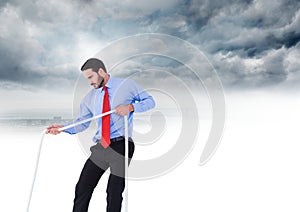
column 126, row 97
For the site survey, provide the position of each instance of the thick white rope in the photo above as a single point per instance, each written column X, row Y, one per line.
column 126, row 163
column 36, row 169
column 86, row 120
column 73, row 125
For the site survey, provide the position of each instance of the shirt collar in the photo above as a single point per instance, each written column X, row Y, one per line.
column 108, row 84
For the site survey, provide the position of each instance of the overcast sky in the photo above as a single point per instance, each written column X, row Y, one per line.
column 251, row 44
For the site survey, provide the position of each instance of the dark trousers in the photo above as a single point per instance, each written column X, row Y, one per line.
column 100, row 160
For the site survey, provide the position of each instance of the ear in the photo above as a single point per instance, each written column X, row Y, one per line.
column 101, row 71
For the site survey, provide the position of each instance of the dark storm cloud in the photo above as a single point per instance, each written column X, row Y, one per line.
column 36, row 50
column 250, row 43
column 255, row 26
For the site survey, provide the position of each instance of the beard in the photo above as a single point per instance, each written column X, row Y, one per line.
column 101, row 79
column 101, row 83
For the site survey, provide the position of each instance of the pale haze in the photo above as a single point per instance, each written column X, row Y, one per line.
column 251, row 45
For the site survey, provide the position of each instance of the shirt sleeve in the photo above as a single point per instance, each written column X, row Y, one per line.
column 84, row 113
column 142, row 100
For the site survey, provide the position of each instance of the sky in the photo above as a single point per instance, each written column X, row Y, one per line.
column 252, row 45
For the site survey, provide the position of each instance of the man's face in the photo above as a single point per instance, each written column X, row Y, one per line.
column 95, row 78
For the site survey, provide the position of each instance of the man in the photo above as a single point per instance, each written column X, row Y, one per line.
column 126, row 97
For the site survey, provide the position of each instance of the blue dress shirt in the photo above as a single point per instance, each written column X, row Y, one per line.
column 120, row 92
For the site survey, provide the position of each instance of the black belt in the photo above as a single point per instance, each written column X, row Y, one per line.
column 113, row 140
column 117, row 139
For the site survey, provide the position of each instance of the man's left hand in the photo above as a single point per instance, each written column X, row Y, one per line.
column 124, row 110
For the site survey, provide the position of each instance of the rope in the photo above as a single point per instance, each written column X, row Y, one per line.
column 36, row 169
column 126, row 163
column 73, row 125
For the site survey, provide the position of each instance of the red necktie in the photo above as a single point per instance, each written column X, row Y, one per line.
column 105, row 141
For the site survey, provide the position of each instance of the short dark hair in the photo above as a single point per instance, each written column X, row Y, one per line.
column 94, row 64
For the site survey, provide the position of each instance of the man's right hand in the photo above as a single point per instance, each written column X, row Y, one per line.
column 53, row 129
